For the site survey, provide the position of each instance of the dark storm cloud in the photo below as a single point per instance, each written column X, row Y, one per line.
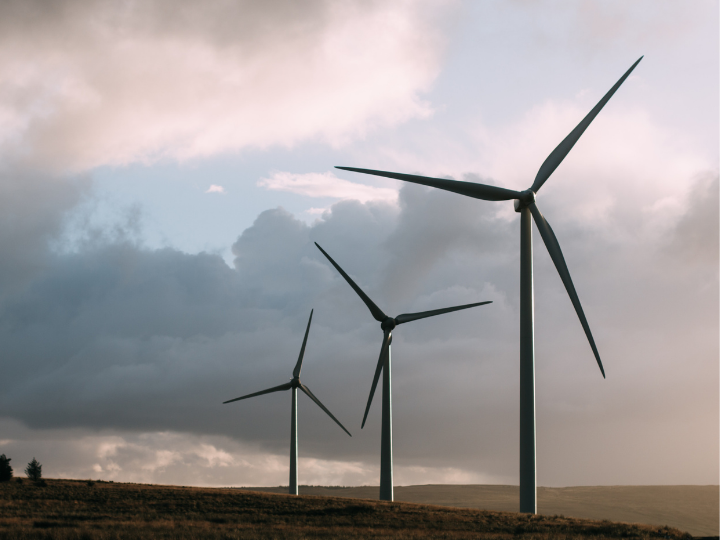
column 33, row 208
column 115, row 336
column 434, row 224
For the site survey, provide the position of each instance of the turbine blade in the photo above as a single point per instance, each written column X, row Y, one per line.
column 556, row 255
column 316, row 400
column 469, row 189
column 286, row 386
column 376, row 311
column 407, row 317
column 378, row 370
column 556, row 156
column 298, row 366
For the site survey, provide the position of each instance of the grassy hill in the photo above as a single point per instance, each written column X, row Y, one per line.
column 80, row 510
column 694, row 509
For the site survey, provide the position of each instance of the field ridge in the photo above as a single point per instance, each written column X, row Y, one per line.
column 76, row 509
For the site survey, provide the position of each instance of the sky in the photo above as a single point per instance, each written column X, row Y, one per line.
column 166, row 167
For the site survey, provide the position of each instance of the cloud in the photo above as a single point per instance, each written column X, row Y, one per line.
column 326, row 185
column 216, row 189
column 89, row 84
column 121, row 339
column 618, row 183
column 118, row 357
column 178, row 458
column 33, row 212
column 695, row 236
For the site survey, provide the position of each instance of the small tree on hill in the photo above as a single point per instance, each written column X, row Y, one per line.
column 6, row 470
column 34, row 470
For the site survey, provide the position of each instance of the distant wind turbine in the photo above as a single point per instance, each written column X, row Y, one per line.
column 525, row 205
column 294, row 384
column 387, row 324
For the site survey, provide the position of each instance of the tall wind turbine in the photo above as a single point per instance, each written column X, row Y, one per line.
column 387, row 324
column 525, row 205
column 293, row 385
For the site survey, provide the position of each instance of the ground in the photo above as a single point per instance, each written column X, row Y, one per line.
column 74, row 509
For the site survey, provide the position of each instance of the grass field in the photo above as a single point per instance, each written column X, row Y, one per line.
column 80, row 510
column 695, row 509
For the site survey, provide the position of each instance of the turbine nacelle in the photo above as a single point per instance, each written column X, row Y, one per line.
column 388, row 324
column 526, row 198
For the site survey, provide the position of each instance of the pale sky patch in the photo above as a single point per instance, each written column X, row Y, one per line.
column 216, row 189
column 326, row 185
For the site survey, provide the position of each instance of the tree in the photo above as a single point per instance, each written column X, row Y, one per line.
column 34, row 470
column 6, row 471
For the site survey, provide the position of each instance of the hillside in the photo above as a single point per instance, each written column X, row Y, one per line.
column 67, row 509
column 689, row 508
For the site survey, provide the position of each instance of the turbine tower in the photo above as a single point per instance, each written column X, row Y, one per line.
column 526, row 206
column 387, row 324
column 293, row 385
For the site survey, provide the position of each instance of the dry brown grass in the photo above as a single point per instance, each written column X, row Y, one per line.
column 689, row 508
column 75, row 510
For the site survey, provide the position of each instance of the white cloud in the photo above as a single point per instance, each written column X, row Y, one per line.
column 414, row 475
column 215, row 189
column 627, row 163
column 326, row 185
column 142, row 81
column 188, row 459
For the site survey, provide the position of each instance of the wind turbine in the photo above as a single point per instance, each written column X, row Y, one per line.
column 525, row 205
column 387, row 324
column 293, row 385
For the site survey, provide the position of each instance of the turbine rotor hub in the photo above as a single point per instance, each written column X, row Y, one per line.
column 527, row 197
column 388, row 324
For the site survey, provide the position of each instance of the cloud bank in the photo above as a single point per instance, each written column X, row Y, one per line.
column 87, row 84
column 123, row 338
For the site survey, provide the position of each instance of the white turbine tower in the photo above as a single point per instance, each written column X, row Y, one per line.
column 526, row 206
column 293, row 385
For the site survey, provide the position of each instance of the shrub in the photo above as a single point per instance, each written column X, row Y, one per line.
column 6, row 471
column 34, row 470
